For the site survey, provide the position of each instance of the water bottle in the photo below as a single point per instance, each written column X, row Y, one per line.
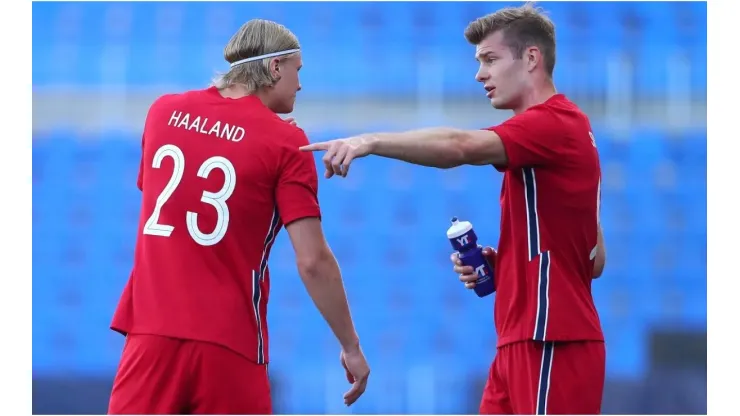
column 465, row 242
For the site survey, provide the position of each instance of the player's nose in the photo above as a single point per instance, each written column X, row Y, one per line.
column 481, row 76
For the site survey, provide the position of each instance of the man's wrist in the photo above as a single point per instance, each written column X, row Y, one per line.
column 352, row 346
column 371, row 141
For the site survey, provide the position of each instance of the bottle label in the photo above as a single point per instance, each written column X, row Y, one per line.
column 483, row 272
column 464, row 242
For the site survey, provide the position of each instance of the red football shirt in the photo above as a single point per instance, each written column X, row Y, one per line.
column 550, row 200
column 219, row 179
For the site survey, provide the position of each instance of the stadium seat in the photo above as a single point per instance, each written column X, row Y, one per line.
column 146, row 44
column 627, row 337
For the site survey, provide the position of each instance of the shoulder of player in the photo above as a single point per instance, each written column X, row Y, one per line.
column 296, row 136
column 171, row 97
column 179, row 97
column 560, row 104
column 167, row 102
column 553, row 112
column 280, row 130
column 279, row 134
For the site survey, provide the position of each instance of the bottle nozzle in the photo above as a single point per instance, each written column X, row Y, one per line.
column 454, row 220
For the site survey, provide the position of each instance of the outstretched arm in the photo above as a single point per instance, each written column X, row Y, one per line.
column 530, row 138
column 439, row 147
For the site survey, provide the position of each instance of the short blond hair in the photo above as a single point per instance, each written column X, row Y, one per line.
column 522, row 27
column 254, row 38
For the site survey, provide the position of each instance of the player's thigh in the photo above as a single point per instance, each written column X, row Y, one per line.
column 495, row 400
column 556, row 377
column 225, row 382
column 151, row 377
column 519, row 365
column 576, row 384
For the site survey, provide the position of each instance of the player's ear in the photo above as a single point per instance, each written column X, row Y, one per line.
column 532, row 57
column 275, row 68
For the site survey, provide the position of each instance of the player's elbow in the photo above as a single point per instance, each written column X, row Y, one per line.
column 312, row 253
column 458, row 150
column 313, row 265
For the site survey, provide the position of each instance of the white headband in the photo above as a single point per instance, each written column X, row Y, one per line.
column 267, row 55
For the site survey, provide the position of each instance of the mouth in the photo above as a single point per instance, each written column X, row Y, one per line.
column 490, row 91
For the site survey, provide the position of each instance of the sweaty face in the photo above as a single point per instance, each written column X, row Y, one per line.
column 503, row 77
column 284, row 91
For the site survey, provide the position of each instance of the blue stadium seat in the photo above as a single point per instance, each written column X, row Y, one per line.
column 676, row 390
column 149, row 44
column 628, row 337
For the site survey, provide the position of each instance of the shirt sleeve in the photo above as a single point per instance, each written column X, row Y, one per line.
column 297, row 187
column 531, row 138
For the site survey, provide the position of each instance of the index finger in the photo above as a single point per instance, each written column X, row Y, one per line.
column 455, row 258
column 315, row 146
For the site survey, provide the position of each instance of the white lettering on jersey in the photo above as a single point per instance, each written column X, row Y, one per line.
column 201, row 125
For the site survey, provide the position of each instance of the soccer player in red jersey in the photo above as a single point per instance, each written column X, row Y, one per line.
column 550, row 354
column 220, row 175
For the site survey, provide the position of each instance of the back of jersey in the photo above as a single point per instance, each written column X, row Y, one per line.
column 214, row 173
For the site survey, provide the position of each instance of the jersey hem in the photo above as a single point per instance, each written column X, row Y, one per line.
column 186, row 338
column 506, row 340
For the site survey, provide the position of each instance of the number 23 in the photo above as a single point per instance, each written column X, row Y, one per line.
column 215, row 199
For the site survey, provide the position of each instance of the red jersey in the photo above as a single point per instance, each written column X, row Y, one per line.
column 219, row 179
column 550, row 199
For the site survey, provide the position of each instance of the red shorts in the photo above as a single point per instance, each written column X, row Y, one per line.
column 161, row 375
column 532, row 377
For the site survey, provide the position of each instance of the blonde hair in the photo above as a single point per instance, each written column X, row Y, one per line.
column 522, row 27
column 256, row 37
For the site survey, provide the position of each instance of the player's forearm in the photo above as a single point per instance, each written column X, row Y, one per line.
column 438, row 147
column 323, row 281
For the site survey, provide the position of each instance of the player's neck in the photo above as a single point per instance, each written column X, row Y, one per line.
column 538, row 95
column 237, row 91
column 234, row 91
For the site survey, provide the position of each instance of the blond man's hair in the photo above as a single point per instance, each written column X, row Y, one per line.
column 522, row 27
column 256, row 37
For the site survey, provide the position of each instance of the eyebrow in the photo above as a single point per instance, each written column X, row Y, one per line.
column 482, row 55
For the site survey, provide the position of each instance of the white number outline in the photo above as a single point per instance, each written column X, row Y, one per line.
column 152, row 225
column 216, row 199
